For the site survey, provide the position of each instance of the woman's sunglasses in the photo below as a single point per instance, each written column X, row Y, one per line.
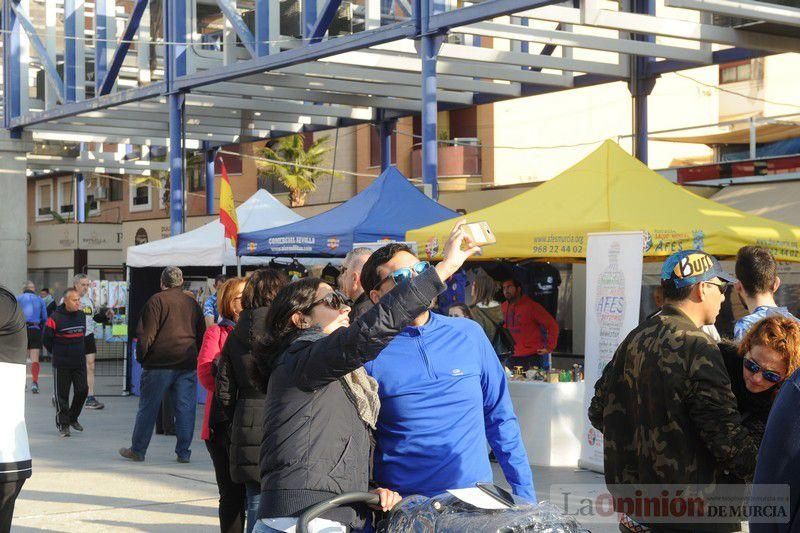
column 334, row 300
column 755, row 368
column 402, row 274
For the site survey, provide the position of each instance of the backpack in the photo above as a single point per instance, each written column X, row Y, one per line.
column 502, row 341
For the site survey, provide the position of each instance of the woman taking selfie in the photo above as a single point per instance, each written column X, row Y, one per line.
column 321, row 405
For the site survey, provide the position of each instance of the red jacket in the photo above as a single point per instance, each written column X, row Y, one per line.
column 531, row 326
column 213, row 341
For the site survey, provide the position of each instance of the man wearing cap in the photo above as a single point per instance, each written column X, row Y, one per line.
column 664, row 402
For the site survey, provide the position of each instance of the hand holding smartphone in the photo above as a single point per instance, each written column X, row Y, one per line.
column 480, row 233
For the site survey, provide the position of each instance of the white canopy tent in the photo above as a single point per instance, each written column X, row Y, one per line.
column 206, row 245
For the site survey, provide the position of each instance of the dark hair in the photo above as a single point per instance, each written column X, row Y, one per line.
column 262, row 286
column 464, row 309
column 485, row 287
column 69, row 290
column 515, row 281
column 674, row 294
column 44, row 289
column 220, row 278
column 280, row 331
column 756, row 269
column 369, row 272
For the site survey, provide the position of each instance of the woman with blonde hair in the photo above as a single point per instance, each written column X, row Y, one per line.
column 215, row 429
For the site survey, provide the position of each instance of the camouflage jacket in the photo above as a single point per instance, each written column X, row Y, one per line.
column 665, row 408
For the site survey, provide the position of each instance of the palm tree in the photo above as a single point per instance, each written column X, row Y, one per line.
column 301, row 175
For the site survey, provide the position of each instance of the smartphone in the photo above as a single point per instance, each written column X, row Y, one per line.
column 501, row 495
column 480, row 233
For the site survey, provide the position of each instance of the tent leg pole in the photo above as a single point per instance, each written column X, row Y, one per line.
column 430, row 162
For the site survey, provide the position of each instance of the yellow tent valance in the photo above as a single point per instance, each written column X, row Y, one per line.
column 612, row 191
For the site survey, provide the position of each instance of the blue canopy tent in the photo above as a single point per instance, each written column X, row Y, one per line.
column 385, row 210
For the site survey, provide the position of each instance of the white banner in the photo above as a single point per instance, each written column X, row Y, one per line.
column 613, row 292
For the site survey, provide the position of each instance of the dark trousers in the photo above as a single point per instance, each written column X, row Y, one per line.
column 232, row 497
column 66, row 378
column 9, row 490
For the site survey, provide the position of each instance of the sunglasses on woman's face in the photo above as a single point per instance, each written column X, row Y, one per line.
column 402, row 274
column 755, row 368
column 334, row 300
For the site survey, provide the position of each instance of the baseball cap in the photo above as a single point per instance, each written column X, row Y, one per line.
column 688, row 267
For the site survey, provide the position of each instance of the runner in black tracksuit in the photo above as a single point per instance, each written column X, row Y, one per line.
column 64, row 335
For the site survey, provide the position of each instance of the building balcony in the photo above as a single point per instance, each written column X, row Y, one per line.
column 458, row 165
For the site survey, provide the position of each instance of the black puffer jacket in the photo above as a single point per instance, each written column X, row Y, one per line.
column 243, row 402
column 315, row 444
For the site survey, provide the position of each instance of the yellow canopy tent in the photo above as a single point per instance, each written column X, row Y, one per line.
column 612, row 191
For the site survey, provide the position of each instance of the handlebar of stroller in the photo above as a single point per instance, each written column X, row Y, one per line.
column 343, row 499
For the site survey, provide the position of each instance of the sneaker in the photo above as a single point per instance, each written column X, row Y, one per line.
column 183, row 459
column 127, row 453
column 35, row 388
column 92, row 403
column 63, row 431
column 76, row 426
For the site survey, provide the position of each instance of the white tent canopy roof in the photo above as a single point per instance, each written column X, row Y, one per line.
column 204, row 245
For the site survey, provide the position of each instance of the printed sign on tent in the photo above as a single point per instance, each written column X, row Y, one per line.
column 613, row 289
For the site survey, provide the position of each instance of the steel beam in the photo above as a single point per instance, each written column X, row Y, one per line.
column 309, row 17
column 176, row 198
column 388, row 77
column 80, row 198
column 209, row 155
column 241, row 29
column 50, row 71
column 442, row 22
column 324, row 20
column 751, row 9
column 350, row 87
column 267, row 91
column 106, row 83
column 655, row 68
column 262, row 28
column 387, row 126
column 680, row 29
column 257, row 104
column 296, row 56
column 640, row 86
column 70, row 51
column 589, row 42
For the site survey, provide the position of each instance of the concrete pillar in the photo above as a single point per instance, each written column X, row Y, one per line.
column 14, row 215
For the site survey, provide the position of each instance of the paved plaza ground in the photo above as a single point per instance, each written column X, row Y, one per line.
column 81, row 484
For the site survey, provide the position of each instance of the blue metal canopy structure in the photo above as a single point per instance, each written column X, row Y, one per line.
column 385, row 210
column 162, row 84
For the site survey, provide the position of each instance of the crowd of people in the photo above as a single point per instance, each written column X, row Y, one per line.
column 678, row 408
column 316, row 388
column 312, row 392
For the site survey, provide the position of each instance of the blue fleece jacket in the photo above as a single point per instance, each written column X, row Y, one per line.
column 33, row 308
column 443, row 395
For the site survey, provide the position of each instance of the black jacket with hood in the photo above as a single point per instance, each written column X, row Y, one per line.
column 237, row 394
column 315, row 444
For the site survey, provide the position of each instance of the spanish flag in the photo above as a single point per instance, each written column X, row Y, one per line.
column 227, row 209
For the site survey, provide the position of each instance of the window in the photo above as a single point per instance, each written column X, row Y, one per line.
column 141, row 196
column 735, row 72
column 114, row 190
column 66, row 196
column 44, row 200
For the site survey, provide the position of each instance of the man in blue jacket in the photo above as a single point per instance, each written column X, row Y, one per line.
column 778, row 461
column 35, row 312
column 443, row 394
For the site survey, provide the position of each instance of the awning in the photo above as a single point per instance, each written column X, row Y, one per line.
column 777, row 201
column 764, row 133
